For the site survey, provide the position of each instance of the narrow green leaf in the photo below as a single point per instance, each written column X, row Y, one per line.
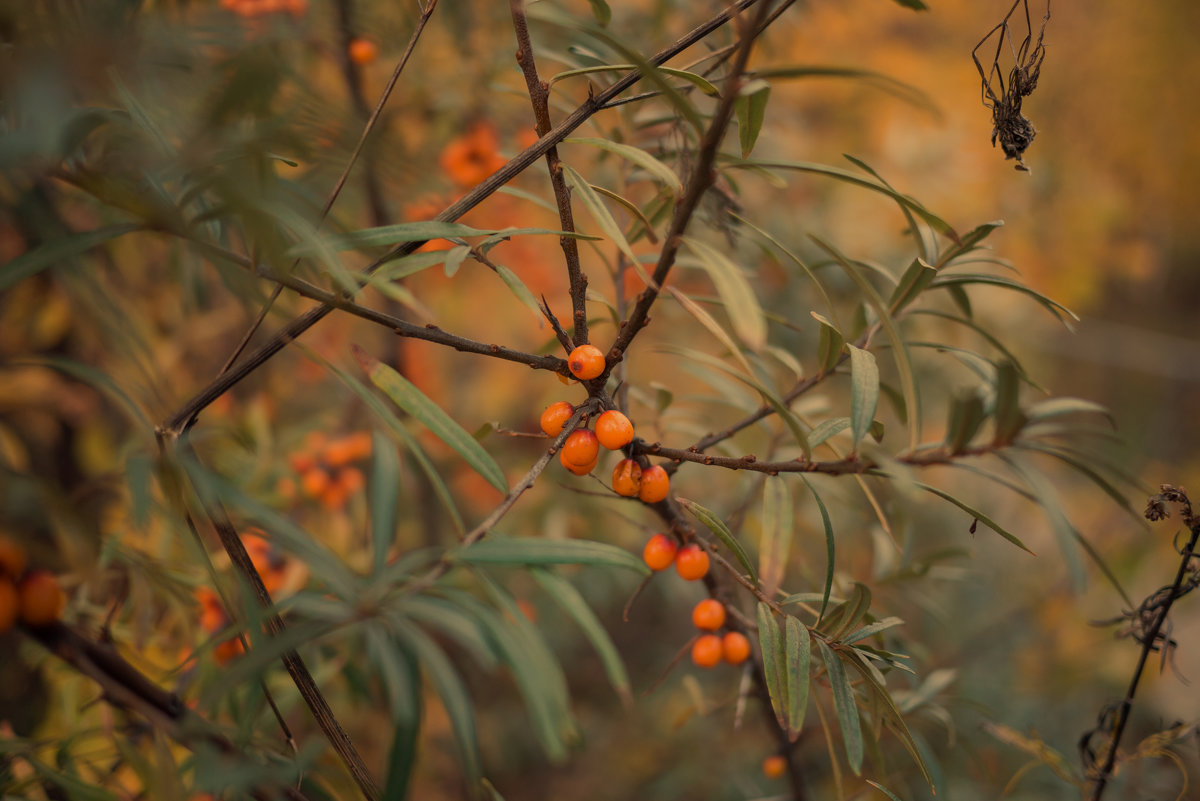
column 539, row 551
column 877, row 785
column 831, row 345
column 600, row 214
column 407, row 723
column 709, row 322
column 383, row 491
column 829, row 549
column 891, row 713
column 635, row 155
column 1056, row 407
column 915, row 5
column 966, row 416
column 915, row 280
column 864, row 392
column 778, row 526
column 514, row 283
column 969, row 241
column 827, row 429
column 1006, row 409
column 850, row 612
column 751, row 108
column 699, row 81
column 905, row 91
column 843, row 704
column 98, row 379
column 812, row 276
column 913, row 229
column 421, row 231
column 872, row 629
column 771, row 644
column 453, row 620
column 961, row 280
column 735, row 290
column 799, row 654
column 573, row 604
column 412, row 400
column 603, row 13
column 976, row 514
column 722, row 532
column 57, row 251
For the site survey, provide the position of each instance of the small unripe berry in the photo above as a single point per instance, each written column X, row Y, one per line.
column 614, row 430
column 706, row 650
column 655, row 484
column 41, row 598
column 555, row 417
column 709, row 614
column 627, row 478
column 581, row 448
column 735, row 647
column 692, row 562
column 586, row 362
column 659, row 553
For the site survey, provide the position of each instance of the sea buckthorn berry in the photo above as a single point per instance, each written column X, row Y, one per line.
column 659, row 553
column 9, row 604
column 614, row 430
column 692, row 562
column 735, row 647
column 228, row 650
column 579, row 469
column 586, row 362
column 41, row 598
column 581, row 448
column 351, row 480
column 709, row 614
column 363, row 51
column 627, row 478
column 706, row 650
column 354, row 447
column 12, row 558
column 655, row 484
column 774, row 766
column 555, row 417
column 314, row 482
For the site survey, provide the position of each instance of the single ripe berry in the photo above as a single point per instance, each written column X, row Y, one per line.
column 709, row 614
column 581, row 448
column 12, row 558
column 41, row 599
column 659, row 553
column 774, row 766
column 706, row 650
column 614, row 430
column 586, row 362
column 9, row 603
column 627, row 478
column 655, row 484
column 314, row 482
column 735, row 647
column 555, row 417
column 692, row 562
column 578, row 469
column 363, row 51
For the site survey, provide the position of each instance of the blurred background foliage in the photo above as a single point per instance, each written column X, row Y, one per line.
column 243, row 121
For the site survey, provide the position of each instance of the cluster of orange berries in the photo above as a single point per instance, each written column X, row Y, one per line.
column 33, row 596
column 325, row 469
column 258, row 8
column 272, row 568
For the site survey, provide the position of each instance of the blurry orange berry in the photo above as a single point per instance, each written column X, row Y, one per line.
column 627, row 478
column 709, row 614
column 692, row 562
column 363, row 51
column 302, row 461
column 659, row 553
column 774, row 766
column 351, row 448
column 580, row 448
column 555, row 416
column 706, row 650
column 9, row 604
column 351, row 480
column 314, row 482
column 13, row 558
column 586, row 362
column 735, row 647
column 578, row 469
column 473, row 156
column 655, row 484
column 614, row 430
column 262, row 553
column 41, row 598
column 230, row 5
column 228, row 650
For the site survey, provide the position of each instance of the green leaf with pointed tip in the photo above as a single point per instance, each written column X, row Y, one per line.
column 966, row 416
column 891, row 713
column 831, row 345
column 771, row 644
column 961, row 280
column 722, row 532
column 539, row 551
column 709, row 322
column 798, row 648
column 1006, row 409
column 968, row 243
column 634, row 155
column 1056, row 407
column 812, row 276
column 600, row 214
column 843, row 704
column 864, row 392
column 915, row 5
column 735, row 290
column 915, row 280
column 976, row 514
column 514, row 283
column 751, row 108
column 383, row 490
column 778, row 526
column 59, row 250
column 408, row 397
column 603, row 13
column 872, row 629
column 877, row 785
column 404, row 678
column 827, row 429
column 829, row 547
column 850, row 612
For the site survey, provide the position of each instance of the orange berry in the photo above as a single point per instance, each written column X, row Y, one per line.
column 774, row 766
column 735, row 647
column 334, row 497
column 709, row 614
column 351, row 480
column 627, row 478
column 586, row 362
column 706, row 650
column 351, row 448
column 655, row 484
column 578, row 469
column 297, row 8
column 363, row 51
column 228, row 650
column 581, row 448
column 692, row 562
column 555, row 417
column 614, row 430
column 41, row 598
column 12, row 558
column 9, row 604
column 314, row 482
column 659, row 553
column 302, row 461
